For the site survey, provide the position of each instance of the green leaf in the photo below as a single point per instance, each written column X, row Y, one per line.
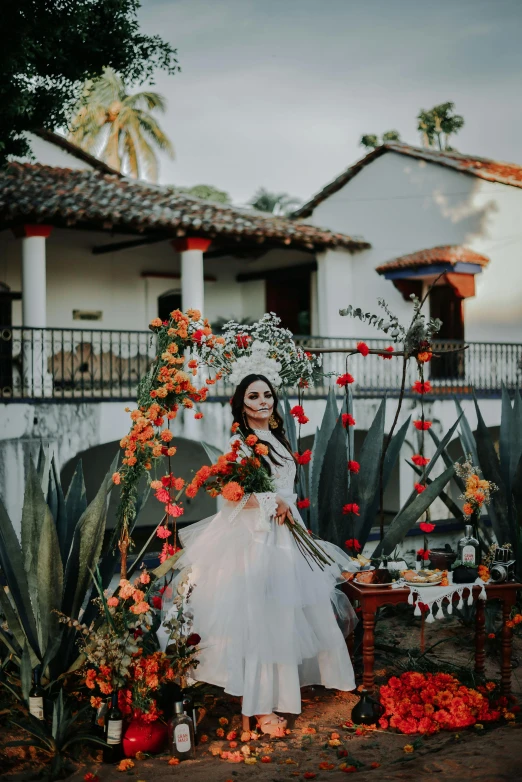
column 11, row 617
column 466, row 435
column 507, row 431
column 446, row 499
column 12, row 564
column 85, row 550
column 75, row 506
column 516, row 437
column 322, row 437
column 289, row 422
column 49, row 579
column 56, row 504
column 408, row 515
column 33, row 514
column 448, row 461
column 366, row 483
column 169, row 563
column 333, row 487
column 501, row 505
column 26, row 673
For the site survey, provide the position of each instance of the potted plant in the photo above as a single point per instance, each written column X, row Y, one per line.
column 464, row 574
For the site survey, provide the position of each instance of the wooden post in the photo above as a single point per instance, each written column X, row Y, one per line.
column 480, row 637
column 505, row 670
column 368, row 649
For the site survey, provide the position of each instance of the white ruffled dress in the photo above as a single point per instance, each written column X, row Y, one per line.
column 269, row 623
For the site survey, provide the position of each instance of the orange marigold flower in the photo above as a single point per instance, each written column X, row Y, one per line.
column 266, row 759
column 198, row 416
column 260, row 449
column 173, row 761
column 423, row 357
column 126, row 763
column 140, row 608
column 467, row 509
column 408, row 748
column 223, row 721
column 166, row 435
column 112, row 602
column 232, row 491
column 116, row 478
column 156, row 323
column 234, row 427
column 251, row 440
column 220, row 733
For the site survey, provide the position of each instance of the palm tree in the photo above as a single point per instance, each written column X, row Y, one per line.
column 371, row 141
column 118, row 127
column 438, row 124
column 276, row 203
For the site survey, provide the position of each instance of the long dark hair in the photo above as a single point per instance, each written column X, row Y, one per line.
column 238, row 401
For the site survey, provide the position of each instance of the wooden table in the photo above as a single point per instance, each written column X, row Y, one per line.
column 372, row 597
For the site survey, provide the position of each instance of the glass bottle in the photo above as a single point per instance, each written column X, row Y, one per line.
column 189, row 708
column 468, row 548
column 113, row 732
column 181, row 734
column 36, row 696
column 99, row 719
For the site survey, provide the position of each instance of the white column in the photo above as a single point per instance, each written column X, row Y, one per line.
column 34, row 298
column 192, row 280
column 334, row 291
column 192, row 276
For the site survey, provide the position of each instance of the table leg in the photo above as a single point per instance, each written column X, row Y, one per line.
column 350, row 645
column 480, row 637
column 505, row 670
column 368, row 649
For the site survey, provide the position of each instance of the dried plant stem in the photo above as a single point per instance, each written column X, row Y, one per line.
column 387, row 443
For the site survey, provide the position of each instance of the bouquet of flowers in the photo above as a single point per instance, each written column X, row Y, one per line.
column 478, row 490
column 238, row 474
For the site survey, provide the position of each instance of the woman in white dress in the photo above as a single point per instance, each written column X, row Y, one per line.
column 270, row 622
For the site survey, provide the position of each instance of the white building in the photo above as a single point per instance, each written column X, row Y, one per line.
column 91, row 257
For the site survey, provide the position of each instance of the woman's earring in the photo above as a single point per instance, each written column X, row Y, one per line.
column 272, row 422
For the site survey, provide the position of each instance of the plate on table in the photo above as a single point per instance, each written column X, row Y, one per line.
column 423, row 583
column 366, row 584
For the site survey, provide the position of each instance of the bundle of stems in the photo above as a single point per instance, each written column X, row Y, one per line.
column 309, row 548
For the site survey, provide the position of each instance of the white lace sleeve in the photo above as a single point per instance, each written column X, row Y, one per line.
column 267, row 502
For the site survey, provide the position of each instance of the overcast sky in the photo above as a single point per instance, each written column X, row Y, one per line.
column 277, row 93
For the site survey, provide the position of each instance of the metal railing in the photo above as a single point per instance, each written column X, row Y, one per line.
column 100, row 365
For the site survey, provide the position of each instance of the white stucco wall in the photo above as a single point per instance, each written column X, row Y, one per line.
column 401, row 205
column 113, row 282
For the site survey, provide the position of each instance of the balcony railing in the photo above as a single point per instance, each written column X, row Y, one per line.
column 98, row 365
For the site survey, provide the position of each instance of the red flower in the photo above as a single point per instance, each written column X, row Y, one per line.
column 304, row 458
column 163, row 532
column 423, row 553
column 348, row 420
column 421, row 387
column 420, row 460
column 422, row 425
column 301, row 504
column 388, row 352
column 302, row 419
column 425, row 526
column 198, row 336
column 297, row 411
column 242, row 340
column 353, row 544
column 351, row 507
column 344, row 380
column 419, row 488
column 90, row 777
column 156, row 602
column 354, row 466
column 193, row 639
column 363, row 348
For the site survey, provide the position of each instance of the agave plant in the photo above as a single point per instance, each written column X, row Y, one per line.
column 330, row 486
column 50, row 568
column 504, row 468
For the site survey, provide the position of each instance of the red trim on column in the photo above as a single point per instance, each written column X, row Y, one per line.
column 191, row 243
column 462, row 284
column 26, row 231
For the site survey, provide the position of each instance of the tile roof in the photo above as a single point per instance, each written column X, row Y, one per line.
column 491, row 170
column 452, row 254
column 101, row 201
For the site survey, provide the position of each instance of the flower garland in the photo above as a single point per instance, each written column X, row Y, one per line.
column 427, row 703
column 166, row 388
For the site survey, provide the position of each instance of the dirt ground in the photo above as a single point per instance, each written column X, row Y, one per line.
column 492, row 754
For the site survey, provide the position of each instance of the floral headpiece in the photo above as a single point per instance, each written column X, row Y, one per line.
column 263, row 348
